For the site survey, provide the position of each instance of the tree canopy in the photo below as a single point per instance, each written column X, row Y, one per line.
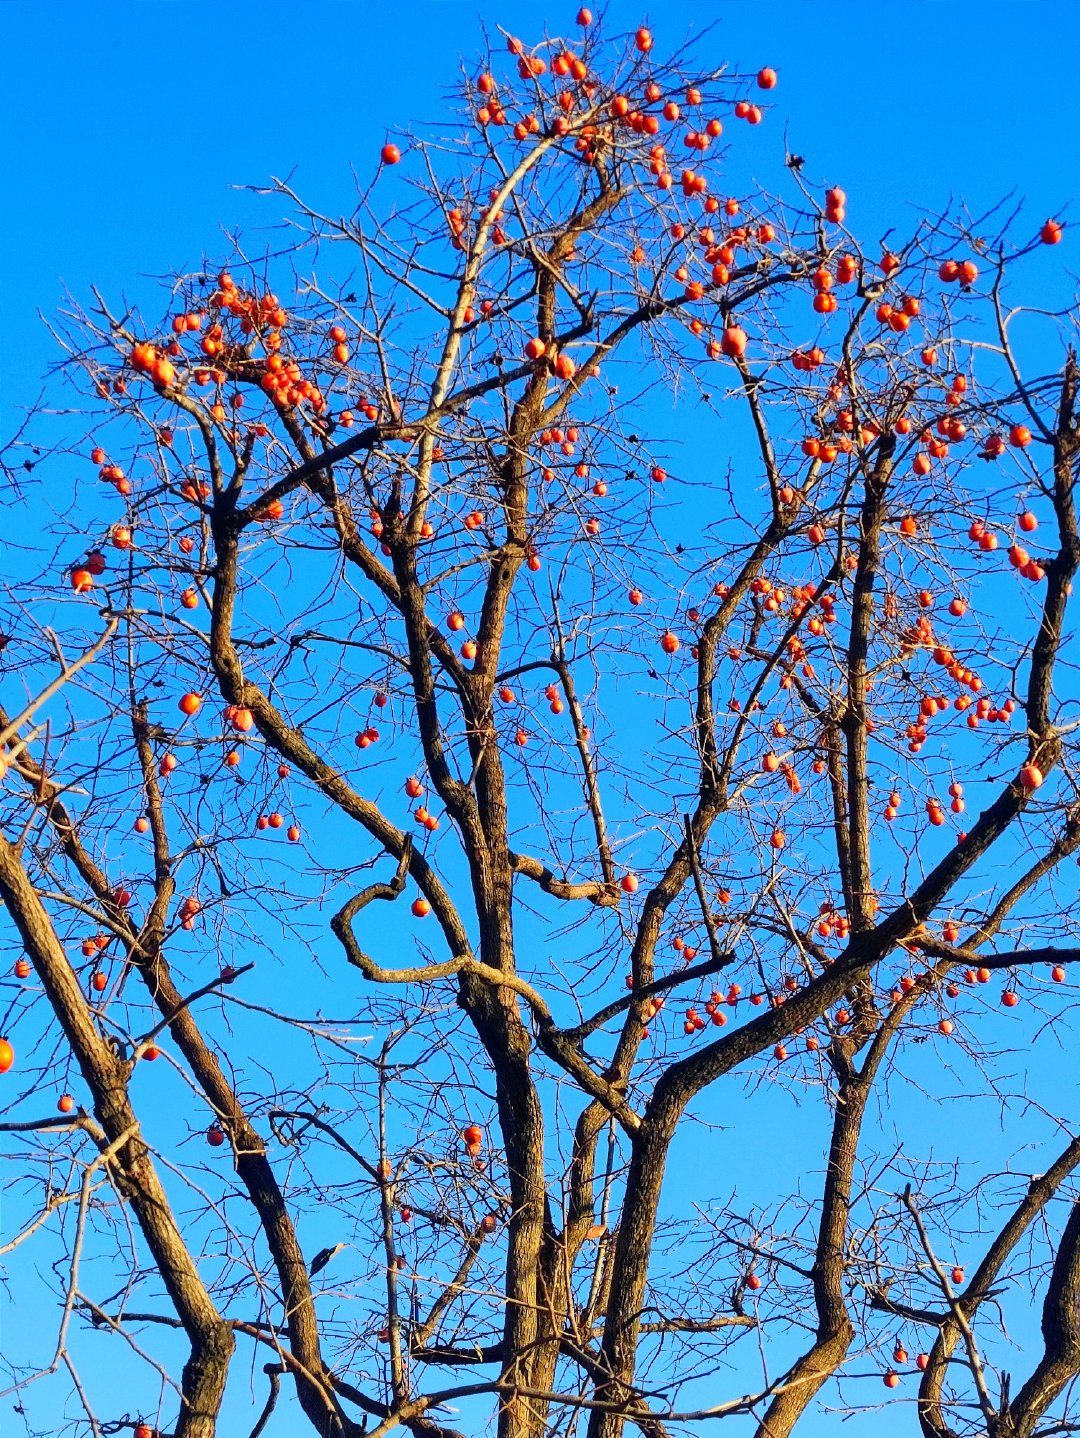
column 557, row 676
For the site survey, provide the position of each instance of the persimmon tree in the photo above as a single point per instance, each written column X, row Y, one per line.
column 584, row 686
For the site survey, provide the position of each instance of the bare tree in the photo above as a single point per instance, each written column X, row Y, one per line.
column 405, row 663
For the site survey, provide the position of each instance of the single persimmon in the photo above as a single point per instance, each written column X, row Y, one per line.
column 733, row 341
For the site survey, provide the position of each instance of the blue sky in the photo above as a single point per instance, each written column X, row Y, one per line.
column 131, row 125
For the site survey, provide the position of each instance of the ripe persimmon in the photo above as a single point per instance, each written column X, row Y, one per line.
column 734, row 341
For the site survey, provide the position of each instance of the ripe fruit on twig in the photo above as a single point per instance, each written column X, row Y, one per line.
column 733, row 341
column 7, row 1056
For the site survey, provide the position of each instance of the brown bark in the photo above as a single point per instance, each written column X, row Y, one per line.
column 106, row 1075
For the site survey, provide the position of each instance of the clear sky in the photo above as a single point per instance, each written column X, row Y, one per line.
column 129, row 126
